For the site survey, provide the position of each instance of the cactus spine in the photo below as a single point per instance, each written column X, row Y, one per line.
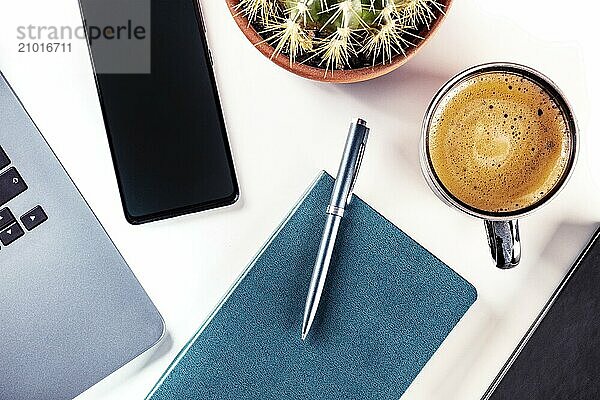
column 334, row 34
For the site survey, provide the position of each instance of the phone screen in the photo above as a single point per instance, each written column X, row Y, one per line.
column 160, row 105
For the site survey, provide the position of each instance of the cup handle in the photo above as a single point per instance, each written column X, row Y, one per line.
column 505, row 242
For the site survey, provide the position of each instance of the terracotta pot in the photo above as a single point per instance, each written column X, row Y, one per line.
column 338, row 76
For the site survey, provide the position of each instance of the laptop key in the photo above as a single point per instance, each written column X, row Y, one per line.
column 33, row 218
column 10, row 234
column 4, row 160
column 11, row 185
column 6, row 218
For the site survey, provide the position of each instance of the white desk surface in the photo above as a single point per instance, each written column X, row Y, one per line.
column 284, row 129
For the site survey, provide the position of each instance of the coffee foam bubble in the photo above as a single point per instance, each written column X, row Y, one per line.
column 498, row 142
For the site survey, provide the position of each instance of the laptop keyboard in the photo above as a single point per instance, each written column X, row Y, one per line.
column 11, row 186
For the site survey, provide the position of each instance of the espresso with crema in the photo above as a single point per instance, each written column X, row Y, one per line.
column 499, row 143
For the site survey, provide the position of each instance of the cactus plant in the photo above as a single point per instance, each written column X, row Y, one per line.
column 340, row 34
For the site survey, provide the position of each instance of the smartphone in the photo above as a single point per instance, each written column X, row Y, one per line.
column 161, row 108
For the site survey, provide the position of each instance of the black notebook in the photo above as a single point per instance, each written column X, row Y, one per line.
column 559, row 358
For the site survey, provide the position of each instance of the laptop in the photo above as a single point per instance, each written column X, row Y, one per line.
column 71, row 310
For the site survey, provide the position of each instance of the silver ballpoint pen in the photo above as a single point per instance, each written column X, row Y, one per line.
column 340, row 197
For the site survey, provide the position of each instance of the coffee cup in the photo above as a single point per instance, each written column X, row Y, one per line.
column 498, row 142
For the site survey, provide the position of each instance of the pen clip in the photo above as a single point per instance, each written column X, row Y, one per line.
column 361, row 152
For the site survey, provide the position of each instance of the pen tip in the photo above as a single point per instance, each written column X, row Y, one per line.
column 304, row 334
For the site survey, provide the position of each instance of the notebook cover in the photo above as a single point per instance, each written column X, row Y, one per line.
column 387, row 306
column 559, row 357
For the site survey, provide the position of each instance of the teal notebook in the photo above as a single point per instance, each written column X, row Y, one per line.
column 387, row 306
